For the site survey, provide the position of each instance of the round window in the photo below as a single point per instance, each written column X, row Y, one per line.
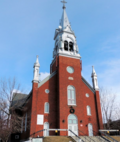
column 47, row 91
column 70, row 69
column 87, row 95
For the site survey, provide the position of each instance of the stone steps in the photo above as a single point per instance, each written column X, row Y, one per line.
column 75, row 139
column 58, row 139
column 90, row 139
column 114, row 137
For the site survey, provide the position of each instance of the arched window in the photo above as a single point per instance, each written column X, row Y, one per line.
column 65, row 45
column 72, row 119
column 70, row 46
column 88, row 110
column 56, row 48
column 46, row 107
column 71, row 95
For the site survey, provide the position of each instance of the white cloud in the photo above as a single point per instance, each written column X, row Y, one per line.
column 43, row 75
column 109, row 76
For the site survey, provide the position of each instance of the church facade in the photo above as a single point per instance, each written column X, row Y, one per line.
column 64, row 99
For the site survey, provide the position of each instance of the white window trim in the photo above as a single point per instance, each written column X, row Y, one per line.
column 25, row 122
column 48, row 108
column 67, row 96
column 88, row 107
column 40, row 119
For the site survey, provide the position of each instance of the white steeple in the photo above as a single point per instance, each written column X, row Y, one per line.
column 64, row 20
column 94, row 79
column 65, row 40
column 36, row 71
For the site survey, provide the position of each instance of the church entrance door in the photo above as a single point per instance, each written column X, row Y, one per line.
column 46, row 127
column 72, row 125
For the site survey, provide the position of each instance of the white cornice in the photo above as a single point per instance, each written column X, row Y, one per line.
column 70, row 56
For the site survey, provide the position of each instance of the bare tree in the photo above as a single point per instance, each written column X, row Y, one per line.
column 11, row 100
column 108, row 106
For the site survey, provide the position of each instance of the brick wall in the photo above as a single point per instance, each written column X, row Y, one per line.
column 38, row 106
column 81, row 100
column 100, row 122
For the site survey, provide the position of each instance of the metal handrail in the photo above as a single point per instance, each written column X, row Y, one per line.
column 76, row 135
column 37, row 132
column 98, row 137
column 87, row 137
column 108, row 136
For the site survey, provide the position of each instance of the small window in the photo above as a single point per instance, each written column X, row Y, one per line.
column 46, row 107
column 56, row 48
column 70, row 46
column 71, row 95
column 70, row 69
column 87, row 95
column 65, row 45
column 88, row 110
column 47, row 91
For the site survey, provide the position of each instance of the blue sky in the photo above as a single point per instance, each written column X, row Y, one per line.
column 27, row 29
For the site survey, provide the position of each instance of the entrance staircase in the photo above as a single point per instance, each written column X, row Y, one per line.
column 75, row 138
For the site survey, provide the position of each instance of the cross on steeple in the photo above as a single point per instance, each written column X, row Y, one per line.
column 64, row 4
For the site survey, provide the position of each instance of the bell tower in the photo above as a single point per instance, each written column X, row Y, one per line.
column 65, row 40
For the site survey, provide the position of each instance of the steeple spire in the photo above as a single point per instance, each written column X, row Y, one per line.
column 93, row 71
column 37, row 61
column 64, row 23
column 64, row 20
column 36, row 71
column 94, row 79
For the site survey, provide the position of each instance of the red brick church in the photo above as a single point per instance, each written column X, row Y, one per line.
column 64, row 99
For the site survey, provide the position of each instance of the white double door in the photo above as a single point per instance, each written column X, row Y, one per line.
column 73, row 128
column 46, row 127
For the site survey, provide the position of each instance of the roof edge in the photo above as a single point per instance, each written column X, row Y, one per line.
column 46, row 79
column 88, row 85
